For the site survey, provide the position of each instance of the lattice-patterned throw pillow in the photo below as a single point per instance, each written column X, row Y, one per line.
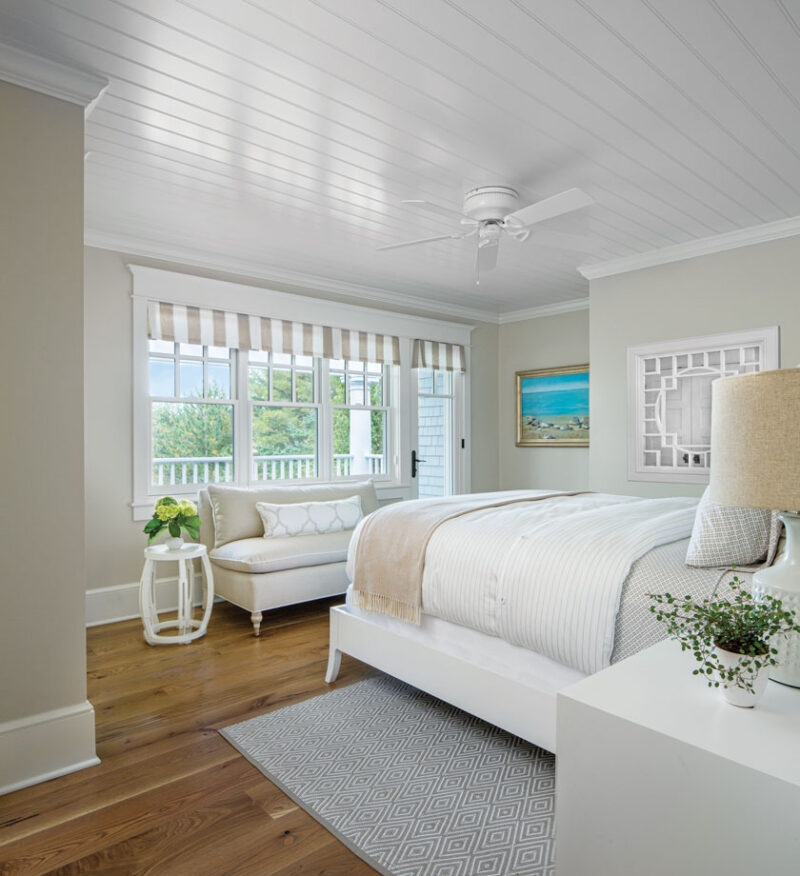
column 728, row 536
column 310, row 518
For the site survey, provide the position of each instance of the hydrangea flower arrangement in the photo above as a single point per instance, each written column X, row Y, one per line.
column 174, row 516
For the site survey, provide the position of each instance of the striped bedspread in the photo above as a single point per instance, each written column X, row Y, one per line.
column 546, row 575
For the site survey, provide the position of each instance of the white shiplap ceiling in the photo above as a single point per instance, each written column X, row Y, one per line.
column 282, row 134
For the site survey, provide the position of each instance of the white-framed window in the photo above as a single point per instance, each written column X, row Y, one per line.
column 285, row 414
column 305, row 418
column 191, row 404
column 360, row 396
column 280, row 418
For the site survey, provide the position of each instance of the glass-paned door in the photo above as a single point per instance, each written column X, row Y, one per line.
column 435, row 439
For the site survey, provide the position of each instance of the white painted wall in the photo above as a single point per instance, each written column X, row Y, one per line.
column 46, row 725
column 751, row 287
column 545, row 342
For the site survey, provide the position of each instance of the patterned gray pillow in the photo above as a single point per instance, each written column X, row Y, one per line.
column 309, row 518
column 728, row 536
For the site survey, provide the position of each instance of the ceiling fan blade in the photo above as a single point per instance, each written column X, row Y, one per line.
column 486, row 257
column 421, row 240
column 435, row 208
column 565, row 202
column 560, row 240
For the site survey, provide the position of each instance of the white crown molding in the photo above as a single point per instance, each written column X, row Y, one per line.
column 188, row 257
column 544, row 310
column 50, row 77
column 693, row 248
column 184, row 255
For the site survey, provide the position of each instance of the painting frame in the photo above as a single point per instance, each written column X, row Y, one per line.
column 553, row 440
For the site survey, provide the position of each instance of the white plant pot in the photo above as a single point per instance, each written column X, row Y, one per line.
column 174, row 544
column 738, row 696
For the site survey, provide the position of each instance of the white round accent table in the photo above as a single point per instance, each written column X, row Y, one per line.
column 188, row 628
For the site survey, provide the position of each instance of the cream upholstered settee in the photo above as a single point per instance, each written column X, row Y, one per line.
column 260, row 573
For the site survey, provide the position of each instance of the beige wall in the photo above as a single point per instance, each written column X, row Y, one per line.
column 115, row 543
column 745, row 288
column 540, row 343
column 484, row 405
column 42, row 563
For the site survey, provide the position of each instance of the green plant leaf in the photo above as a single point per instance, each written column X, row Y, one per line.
column 174, row 529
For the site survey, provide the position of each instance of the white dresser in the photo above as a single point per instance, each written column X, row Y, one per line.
column 657, row 775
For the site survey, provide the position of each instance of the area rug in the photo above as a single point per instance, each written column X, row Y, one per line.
column 412, row 785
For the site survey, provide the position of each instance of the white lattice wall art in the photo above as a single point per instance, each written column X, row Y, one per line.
column 669, row 399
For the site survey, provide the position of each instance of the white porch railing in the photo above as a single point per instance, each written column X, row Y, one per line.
column 219, row 469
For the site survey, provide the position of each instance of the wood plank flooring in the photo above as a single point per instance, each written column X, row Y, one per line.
column 171, row 796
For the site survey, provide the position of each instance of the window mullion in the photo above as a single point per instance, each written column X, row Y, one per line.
column 324, row 423
column 242, row 421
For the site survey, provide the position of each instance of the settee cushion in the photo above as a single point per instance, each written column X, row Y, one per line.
column 256, row 555
column 234, row 508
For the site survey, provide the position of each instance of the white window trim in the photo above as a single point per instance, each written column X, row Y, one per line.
column 767, row 339
column 153, row 284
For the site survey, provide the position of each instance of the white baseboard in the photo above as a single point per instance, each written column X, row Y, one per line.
column 107, row 605
column 46, row 745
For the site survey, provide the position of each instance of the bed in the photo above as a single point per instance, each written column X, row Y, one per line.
column 521, row 594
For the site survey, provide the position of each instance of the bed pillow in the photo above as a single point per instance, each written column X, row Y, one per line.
column 728, row 536
column 309, row 518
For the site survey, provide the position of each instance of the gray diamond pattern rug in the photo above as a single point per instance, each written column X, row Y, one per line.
column 412, row 785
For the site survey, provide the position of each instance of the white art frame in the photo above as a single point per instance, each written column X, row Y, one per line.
column 658, row 450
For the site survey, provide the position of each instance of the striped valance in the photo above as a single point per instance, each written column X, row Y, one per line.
column 241, row 331
column 443, row 357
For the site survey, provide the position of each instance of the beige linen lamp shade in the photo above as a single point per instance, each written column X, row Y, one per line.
column 755, row 440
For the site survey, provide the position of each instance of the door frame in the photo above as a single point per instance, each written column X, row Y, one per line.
column 460, row 437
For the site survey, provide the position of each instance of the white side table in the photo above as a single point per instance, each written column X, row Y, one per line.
column 656, row 774
column 188, row 628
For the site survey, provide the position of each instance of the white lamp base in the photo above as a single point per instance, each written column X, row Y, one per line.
column 783, row 582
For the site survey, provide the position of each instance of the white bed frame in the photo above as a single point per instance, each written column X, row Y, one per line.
column 524, row 710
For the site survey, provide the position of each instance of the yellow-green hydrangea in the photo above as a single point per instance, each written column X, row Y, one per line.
column 167, row 512
column 188, row 509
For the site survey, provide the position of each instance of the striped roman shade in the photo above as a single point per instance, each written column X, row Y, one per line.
column 241, row 331
column 443, row 357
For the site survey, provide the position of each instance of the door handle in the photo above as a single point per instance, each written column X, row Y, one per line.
column 415, row 461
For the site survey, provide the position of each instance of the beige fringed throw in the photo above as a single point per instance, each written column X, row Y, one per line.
column 390, row 554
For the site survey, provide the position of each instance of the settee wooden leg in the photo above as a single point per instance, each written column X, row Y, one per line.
column 255, row 617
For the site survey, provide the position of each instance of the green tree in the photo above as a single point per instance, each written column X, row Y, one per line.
column 187, row 429
column 282, row 431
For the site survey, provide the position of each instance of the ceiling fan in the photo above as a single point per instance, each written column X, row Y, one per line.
column 492, row 211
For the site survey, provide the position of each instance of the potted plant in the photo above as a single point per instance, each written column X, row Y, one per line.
column 176, row 517
column 729, row 637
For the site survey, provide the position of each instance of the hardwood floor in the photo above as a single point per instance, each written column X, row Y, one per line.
column 171, row 796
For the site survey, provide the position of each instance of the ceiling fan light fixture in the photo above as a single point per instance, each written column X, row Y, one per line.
column 490, row 202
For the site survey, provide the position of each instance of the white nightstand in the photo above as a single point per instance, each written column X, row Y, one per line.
column 657, row 775
column 188, row 628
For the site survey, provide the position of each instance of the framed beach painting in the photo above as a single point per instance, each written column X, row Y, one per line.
column 553, row 407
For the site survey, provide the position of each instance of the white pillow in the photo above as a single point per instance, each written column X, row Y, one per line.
column 310, row 518
column 728, row 536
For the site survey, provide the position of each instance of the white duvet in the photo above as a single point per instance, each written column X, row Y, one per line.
column 546, row 575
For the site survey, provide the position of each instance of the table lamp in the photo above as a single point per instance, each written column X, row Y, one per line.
column 755, row 463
